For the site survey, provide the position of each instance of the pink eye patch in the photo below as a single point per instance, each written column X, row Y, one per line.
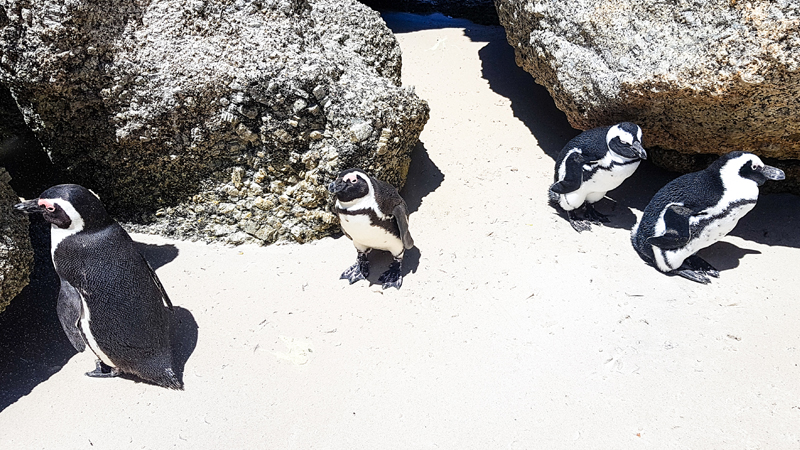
column 350, row 177
column 47, row 204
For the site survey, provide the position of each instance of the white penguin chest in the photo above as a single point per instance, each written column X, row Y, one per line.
column 366, row 235
column 85, row 325
column 606, row 179
column 603, row 179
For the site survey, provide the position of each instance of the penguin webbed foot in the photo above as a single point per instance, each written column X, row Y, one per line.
column 578, row 225
column 392, row 277
column 700, row 264
column 697, row 269
column 358, row 271
column 103, row 370
column 592, row 215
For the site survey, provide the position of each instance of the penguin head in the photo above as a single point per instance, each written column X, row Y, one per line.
column 747, row 166
column 68, row 206
column 625, row 139
column 351, row 184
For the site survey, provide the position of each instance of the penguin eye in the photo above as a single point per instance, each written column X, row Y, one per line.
column 51, row 208
column 353, row 180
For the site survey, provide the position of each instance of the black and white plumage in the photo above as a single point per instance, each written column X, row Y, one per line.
column 110, row 298
column 697, row 209
column 374, row 216
column 591, row 164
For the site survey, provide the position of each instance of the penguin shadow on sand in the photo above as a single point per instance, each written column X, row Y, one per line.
column 634, row 193
column 724, row 255
column 424, row 177
column 775, row 220
column 183, row 327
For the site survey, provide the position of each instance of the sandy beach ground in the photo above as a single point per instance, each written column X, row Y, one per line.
column 511, row 330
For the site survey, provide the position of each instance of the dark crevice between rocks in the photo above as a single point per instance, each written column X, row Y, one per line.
column 482, row 12
column 22, row 154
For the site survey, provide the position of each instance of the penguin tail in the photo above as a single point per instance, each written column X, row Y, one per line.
column 552, row 197
column 162, row 375
column 170, row 380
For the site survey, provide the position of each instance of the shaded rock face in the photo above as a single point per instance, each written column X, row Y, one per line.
column 698, row 77
column 218, row 119
column 16, row 253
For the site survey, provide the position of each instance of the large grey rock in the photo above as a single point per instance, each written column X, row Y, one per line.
column 698, row 76
column 220, row 120
column 16, row 253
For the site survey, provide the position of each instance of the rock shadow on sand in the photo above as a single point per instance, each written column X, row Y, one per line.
column 32, row 343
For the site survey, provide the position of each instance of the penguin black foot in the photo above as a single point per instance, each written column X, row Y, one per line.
column 578, row 225
column 392, row 277
column 592, row 215
column 697, row 269
column 103, row 370
column 358, row 271
column 694, row 275
column 700, row 264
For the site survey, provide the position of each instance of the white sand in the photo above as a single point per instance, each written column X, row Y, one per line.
column 512, row 331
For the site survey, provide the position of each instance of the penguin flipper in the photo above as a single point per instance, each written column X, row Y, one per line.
column 573, row 174
column 677, row 233
column 400, row 213
column 68, row 308
column 161, row 289
column 564, row 187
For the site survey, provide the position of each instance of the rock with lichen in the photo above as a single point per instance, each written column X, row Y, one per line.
column 16, row 253
column 699, row 77
column 219, row 120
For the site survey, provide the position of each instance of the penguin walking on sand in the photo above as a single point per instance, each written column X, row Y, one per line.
column 697, row 209
column 374, row 216
column 110, row 298
column 591, row 164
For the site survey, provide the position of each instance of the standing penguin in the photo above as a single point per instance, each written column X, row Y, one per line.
column 110, row 297
column 697, row 209
column 591, row 164
column 372, row 215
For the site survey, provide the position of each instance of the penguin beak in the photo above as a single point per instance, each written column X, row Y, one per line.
column 29, row 207
column 336, row 186
column 637, row 147
column 772, row 173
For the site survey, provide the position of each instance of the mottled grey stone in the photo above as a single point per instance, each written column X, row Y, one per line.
column 16, row 253
column 699, row 77
column 191, row 118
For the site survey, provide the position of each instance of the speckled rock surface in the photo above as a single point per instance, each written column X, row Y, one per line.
column 16, row 253
column 699, row 77
column 220, row 119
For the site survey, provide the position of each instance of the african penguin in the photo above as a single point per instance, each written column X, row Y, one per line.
column 110, row 297
column 697, row 209
column 591, row 164
column 372, row 215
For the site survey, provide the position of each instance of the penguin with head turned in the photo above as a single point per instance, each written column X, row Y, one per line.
column 697, row 209
column 591, row 164
column 374, row 216
column 110, row 298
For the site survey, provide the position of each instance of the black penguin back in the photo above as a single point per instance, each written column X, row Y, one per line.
column 695, row 191
column 591, row 142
